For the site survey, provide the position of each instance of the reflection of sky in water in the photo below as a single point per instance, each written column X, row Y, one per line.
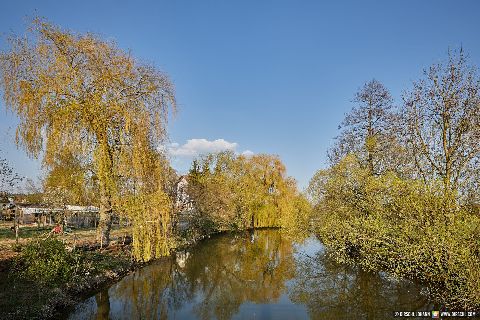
column 231, row 277
column 282, row 309
column 310, row 246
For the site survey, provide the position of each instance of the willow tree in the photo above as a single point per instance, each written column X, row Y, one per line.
column 238, row 192
column 79, row 94
column 69, row 177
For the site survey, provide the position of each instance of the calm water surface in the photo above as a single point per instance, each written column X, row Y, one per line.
column 259, row 275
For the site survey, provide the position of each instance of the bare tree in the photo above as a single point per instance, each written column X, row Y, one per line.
column 367, row 128
column 8, row 177
column 442, row 121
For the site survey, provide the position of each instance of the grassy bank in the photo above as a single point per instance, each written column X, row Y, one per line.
column 23, row 298
column 40, row 278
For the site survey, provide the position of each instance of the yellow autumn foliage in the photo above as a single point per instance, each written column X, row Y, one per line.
column 81, row 96
column 233, row 192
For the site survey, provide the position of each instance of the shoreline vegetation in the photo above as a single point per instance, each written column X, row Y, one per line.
column 53, row 278
column 46, row 277
column 400, row 194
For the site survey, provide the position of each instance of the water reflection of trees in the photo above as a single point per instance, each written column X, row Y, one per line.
column 150, row 292
column 218, row 276
column 222, row 273
column 334, row 291
column 235, row 270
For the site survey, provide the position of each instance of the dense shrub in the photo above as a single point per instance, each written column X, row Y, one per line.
column 48, row 262
column 406, row 227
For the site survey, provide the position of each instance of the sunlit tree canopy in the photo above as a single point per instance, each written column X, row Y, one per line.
column 81, row 95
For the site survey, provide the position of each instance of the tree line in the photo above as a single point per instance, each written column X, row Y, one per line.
column 401, row 191
column 235, row 192
column 433, row 135
column 97, row 118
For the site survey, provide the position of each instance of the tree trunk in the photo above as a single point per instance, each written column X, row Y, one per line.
column 370, row 140
column 15, row 225
column 106, row 181
column 103, row 304
column 370, row 162
column 105, row 219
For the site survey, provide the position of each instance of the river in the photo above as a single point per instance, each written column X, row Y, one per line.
column 258, row 275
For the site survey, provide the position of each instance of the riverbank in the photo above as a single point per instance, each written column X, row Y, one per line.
column 22, row 298
column 28, row 298
column 404, row 227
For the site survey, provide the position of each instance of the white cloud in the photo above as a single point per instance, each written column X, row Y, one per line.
column 196, row 147
column 182, row 155
column 248, row 153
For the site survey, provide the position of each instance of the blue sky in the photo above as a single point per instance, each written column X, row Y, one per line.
column 262, row 76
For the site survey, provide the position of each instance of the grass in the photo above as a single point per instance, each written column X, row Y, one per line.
column 31, row 231
column 24, row 232
column 77, row 237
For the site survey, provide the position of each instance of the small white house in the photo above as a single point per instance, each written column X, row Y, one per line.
column 182, row 200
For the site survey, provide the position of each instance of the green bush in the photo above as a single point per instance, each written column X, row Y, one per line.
column 48, row 262
column 405, row 227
